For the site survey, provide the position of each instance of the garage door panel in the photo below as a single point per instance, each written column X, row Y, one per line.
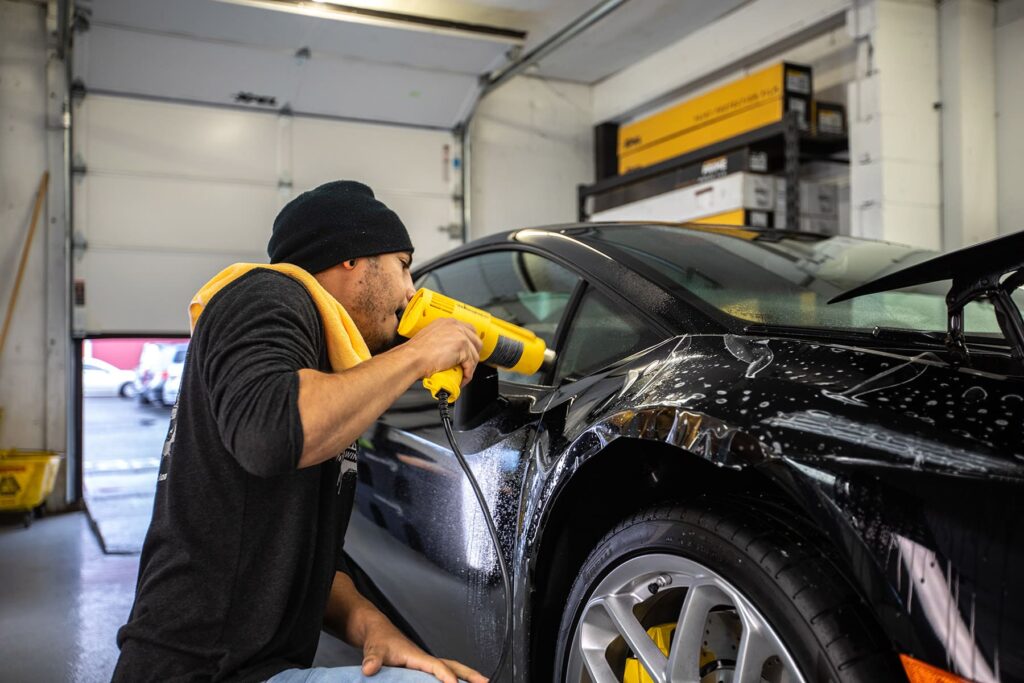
column 146, row 291
column 174, row 193
column 151, row 213
column 136, row 136
column 114, row 60
column 401, row 94
column 422, row 217
column 383, row 157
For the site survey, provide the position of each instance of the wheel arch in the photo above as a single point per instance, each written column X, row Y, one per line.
column 626, row 476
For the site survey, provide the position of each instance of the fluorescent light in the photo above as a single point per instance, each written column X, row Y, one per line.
column 331, row 9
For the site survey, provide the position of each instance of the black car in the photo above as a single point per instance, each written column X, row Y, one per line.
column 723, row 477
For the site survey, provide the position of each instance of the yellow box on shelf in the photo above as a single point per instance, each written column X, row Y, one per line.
column 757, row 100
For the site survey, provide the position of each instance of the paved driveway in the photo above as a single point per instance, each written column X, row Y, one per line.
column 122, row 441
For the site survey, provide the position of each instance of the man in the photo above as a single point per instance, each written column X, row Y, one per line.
column 239, row 569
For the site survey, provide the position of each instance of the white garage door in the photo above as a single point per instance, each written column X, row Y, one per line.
column 172, row 193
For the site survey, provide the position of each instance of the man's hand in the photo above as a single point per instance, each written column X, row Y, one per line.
column 335, row 408
column 356, row 621
column 386, row 646
column 445, row 343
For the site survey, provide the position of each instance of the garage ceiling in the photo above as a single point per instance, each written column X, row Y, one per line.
column 212, row 51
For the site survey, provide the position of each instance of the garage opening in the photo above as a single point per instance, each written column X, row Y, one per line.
column 129, row 387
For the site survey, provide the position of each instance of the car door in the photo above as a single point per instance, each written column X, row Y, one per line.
column 416, row 530
column 601, row 332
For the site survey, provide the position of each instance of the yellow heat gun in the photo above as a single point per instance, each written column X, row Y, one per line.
column 505, row 345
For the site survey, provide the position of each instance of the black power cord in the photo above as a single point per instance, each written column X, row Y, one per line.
column 446, row 420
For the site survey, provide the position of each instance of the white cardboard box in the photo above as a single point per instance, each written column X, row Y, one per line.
column 818, row 199
column 828, row 225
column 728, row 193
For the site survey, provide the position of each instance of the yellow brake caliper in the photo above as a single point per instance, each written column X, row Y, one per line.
column 662, row 637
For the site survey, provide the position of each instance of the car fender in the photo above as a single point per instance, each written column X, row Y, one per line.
column 816, row 459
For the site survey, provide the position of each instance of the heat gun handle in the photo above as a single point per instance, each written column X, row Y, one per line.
column 449, row 380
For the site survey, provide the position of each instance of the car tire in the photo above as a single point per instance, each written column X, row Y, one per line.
column 127, row 390
column 781, row 570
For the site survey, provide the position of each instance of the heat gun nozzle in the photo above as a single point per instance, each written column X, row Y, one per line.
column 549, row 360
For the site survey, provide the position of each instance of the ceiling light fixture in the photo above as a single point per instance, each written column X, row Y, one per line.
column 328, row 9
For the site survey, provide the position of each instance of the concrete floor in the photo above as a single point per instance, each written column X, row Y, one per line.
column 63, row 600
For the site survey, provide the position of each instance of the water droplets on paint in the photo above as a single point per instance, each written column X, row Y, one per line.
column 975, row 394
column 754, row 352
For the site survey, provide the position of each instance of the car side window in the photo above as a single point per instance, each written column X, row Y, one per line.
column 601, row 333
column 518, row 286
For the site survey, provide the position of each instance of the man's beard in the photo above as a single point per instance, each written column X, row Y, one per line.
column 378, row 342
column 374, row 310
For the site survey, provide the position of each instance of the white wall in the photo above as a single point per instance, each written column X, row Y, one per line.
column 22, row 161
column 531, row 145
column 967, row 86
column 1010, row 114
column 894, row 126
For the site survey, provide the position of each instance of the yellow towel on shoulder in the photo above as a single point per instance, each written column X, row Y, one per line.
column 345, row 345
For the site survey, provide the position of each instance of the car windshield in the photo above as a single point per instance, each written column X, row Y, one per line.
column 786, row 279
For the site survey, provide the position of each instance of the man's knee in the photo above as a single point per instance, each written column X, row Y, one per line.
column 351, row 674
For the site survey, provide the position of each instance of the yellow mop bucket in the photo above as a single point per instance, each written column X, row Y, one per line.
column 26, row 479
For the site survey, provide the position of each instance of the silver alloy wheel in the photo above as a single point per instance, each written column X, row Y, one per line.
column 609, row 616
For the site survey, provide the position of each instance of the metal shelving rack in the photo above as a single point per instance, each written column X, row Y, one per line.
column 785, row 137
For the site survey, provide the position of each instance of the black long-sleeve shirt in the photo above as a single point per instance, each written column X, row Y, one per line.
column 242, row 548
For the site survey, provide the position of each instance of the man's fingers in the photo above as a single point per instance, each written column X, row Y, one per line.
column 443, row 673
column 373, row 660
column 464, row 672
column 472, row 357
column 435, row 667
column 473, row 337
column 478, row 343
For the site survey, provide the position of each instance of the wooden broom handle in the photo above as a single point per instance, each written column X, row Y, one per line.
column 44, row 182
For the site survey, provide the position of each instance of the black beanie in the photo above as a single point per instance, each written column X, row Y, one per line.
column 335, row 222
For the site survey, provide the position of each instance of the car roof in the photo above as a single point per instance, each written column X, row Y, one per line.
column 574, row 246
column 573, row 230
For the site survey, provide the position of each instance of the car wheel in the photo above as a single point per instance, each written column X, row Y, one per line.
column 127, row 390
column 754, row 596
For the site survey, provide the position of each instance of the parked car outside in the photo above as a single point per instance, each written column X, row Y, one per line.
column 171, row 386
column 100, row 378
column 723, row 476
column 154, row 361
